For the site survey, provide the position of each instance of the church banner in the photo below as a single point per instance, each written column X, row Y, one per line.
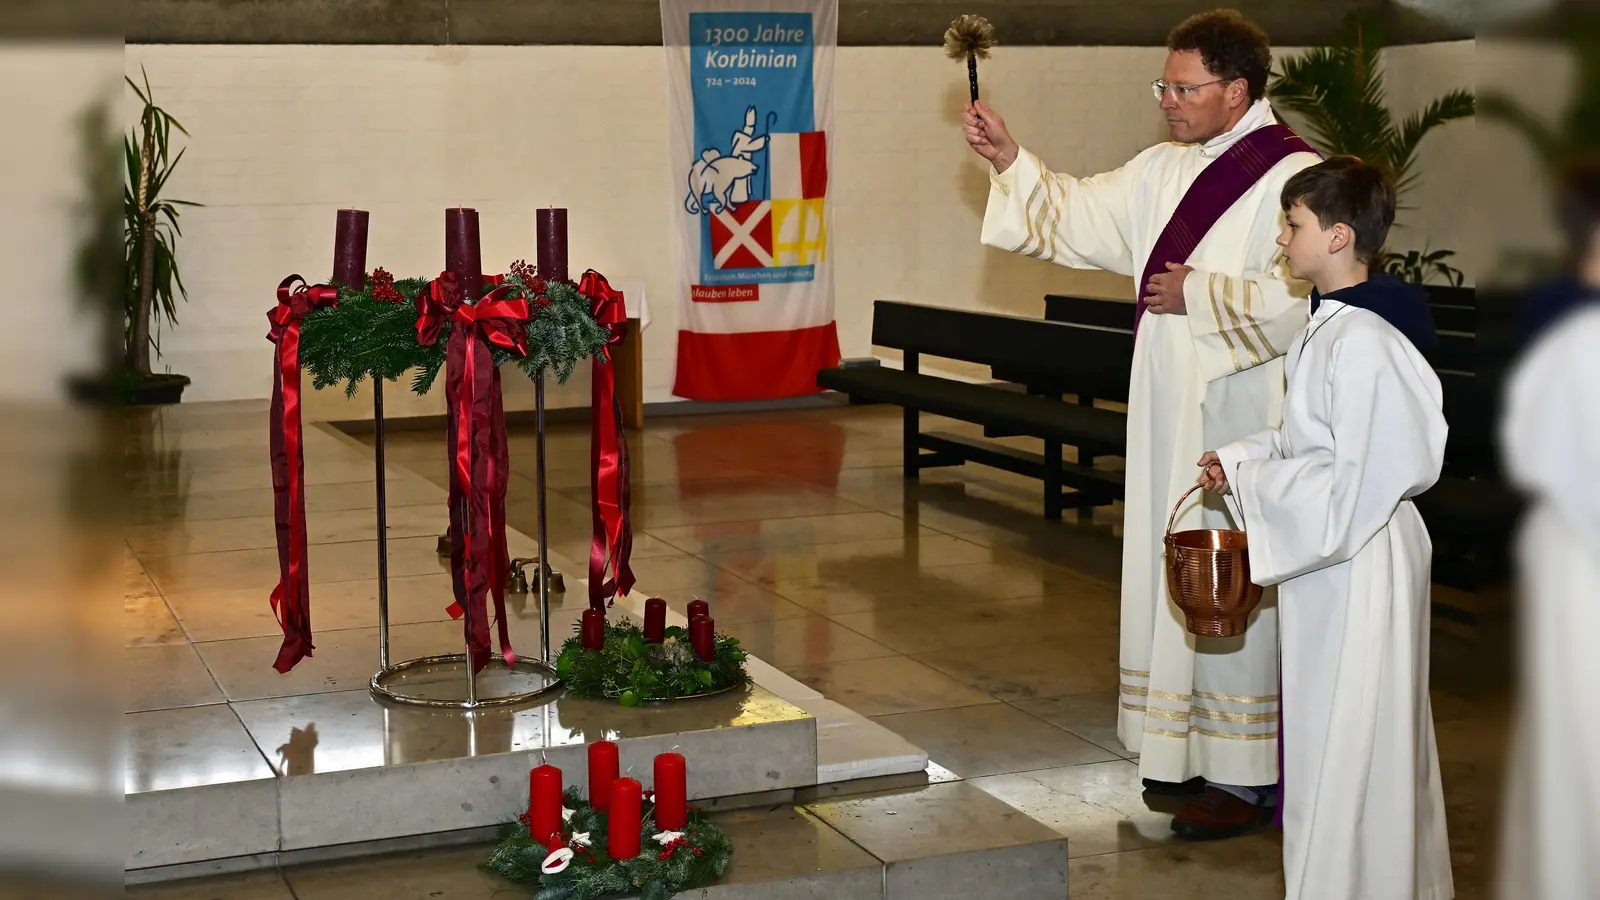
column 750, row 87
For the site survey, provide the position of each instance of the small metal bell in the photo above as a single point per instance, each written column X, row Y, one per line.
column 518, row 583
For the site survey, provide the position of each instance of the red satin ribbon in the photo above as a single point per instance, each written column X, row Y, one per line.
column 291, row 599
column 480, row 455
column 608, row 456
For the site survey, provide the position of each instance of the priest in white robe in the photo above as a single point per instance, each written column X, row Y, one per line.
column 1326, row 500
column 1207, row 369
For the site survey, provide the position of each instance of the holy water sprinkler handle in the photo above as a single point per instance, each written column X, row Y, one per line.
column 972, row 74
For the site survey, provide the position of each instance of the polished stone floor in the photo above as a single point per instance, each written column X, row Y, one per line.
column 947, row 610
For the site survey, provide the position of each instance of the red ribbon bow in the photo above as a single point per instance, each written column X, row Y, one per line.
column 612, row 544
column 291, row 599
column 480, row 456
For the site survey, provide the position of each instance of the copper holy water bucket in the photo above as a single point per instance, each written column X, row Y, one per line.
column 1208, row 576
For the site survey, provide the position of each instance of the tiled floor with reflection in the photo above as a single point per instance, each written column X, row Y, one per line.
column 946, row 609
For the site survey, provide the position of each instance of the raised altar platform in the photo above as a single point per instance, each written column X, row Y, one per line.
column 232, row 766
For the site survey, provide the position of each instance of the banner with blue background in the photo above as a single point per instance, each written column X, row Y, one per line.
column 751, row 90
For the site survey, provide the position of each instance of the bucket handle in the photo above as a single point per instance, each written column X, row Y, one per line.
column 1175, row 507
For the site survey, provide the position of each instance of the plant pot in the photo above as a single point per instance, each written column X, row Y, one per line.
column 123, row 390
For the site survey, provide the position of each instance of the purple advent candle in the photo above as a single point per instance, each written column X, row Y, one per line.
column 350, row 249
column 550, row 230
column 462, row 254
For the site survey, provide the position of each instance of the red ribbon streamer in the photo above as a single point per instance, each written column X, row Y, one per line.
column 480, row 455
column 291, row 599
column 608, row 456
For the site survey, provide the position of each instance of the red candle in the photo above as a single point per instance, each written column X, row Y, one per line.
column 655, row 620
column 350, row 248
column 622, row 825
column 593, row 636
column 698, row 608
column 602, row 771
column 462, row 254
column 672, row 792
column 703, row 636
column 544, row 802
column 550, row 231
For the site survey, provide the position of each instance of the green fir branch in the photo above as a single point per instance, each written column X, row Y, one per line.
column 633, row 672
column 364, row 337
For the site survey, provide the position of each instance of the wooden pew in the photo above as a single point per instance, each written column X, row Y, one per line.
column 1046, row 354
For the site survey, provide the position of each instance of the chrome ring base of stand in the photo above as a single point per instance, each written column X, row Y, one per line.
column 380, row 685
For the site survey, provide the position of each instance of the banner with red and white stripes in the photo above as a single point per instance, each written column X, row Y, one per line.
column 751, row 90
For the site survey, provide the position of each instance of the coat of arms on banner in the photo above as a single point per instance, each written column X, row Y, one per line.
column 762, row 202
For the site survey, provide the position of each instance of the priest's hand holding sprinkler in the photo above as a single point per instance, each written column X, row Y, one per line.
column 970, row 38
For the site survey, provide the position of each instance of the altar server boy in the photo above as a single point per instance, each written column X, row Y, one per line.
column 1326, row 502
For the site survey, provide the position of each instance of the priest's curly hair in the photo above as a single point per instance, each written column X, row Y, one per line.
column 1230, row 46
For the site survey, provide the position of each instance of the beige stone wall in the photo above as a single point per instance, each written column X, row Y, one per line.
column 284, row 135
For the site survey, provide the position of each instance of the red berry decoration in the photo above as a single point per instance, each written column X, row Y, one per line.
column 383, row 288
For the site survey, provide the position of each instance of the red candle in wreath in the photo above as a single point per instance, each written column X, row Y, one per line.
column 703, row 637
column 623, row 821
column 672, row 789
column 698, row 608
column 593, row 635
column 655, row 620
column 603, row 770
column 544, row 802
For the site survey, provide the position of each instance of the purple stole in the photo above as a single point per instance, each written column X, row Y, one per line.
column 1219, row 186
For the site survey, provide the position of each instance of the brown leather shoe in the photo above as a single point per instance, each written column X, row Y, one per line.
column 1217, row 814
column 1175, row 788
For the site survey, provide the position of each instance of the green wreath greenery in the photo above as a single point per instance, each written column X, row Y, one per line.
column 632, row 671
column 372, row 333
column 699, row 857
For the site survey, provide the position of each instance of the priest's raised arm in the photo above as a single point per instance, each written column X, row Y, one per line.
column 1078, row 222
column 1083, row 223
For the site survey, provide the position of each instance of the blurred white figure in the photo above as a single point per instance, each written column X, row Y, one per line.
column 1551, row 437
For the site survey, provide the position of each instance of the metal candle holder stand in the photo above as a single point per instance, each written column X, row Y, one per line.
column 381, row 686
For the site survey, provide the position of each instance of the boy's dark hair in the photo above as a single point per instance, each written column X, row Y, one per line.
column 1230, row 45
column 1345, row 189
column 1578, row 204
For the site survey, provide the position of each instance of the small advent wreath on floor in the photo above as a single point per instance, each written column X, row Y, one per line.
column 668, row 862
column 632, row 671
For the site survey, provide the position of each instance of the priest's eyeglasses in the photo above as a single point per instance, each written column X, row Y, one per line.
column 1180, row 92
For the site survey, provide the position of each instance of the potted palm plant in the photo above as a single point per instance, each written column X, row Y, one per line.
column 1338, row 92
column 153, row 282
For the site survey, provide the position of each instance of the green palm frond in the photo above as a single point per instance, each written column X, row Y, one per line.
column 1339, row 92
column 1402, row 150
